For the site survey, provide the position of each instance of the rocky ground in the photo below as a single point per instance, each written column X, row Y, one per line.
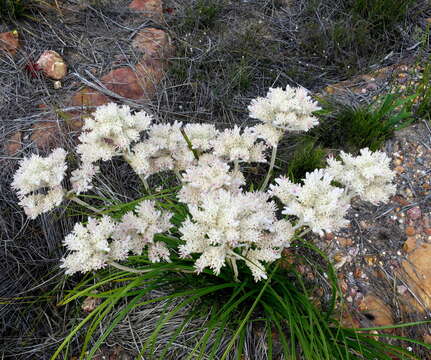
column 127, row 52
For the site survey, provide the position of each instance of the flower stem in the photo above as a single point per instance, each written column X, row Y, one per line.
column 129, row 269
column 143, row 271
column 83, row 203
column 271, row 167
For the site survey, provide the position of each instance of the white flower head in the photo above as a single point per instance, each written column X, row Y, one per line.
column 288, row 110
column 137, row 230
column 88, row 245
column 208, row 175
column 236, row 145
column 110, row 131
column 233, row 225
column 38, row 182
column 316, row 203
column 201, row 135
column 367, row 175
column 165, row 149
column 36, row 172
column 82, row 177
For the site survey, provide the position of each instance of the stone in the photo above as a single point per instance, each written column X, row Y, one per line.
column 138, row 84
column 410, row 231
column 45, row 134
column 153, row 42
column 86, row 97
column 376, row 309
column 345, row 241
column 151, row 8
column 410, row 244
column 90, row 303
column 417, row 275
column 52, row 65
column 9, row 42
column 13, row 144
column 414, row 213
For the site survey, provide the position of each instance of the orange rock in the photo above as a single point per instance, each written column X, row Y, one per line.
column 124, row 82
column 152, row 8
column 380, row 313
column 52, row 65
column 410, row 244
column 45, row 134
column 410, row 231
column 153, row 42
column 86, row 97
column 9, row 42
column 13, row 144
column 345, row 241
column 140, row 84
column 417, row 275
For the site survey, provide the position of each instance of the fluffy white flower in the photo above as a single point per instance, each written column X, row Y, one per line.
column 201, row 135
column 236, row 145
column 228, row 226
column 36, row 204
column 210, row 174
column 89, row 245
column 137, row 230
column 288, row 110
column 38, row 182
column 269, row 133
column 110, row 132
column 35, row 172
column 165, row 149
column 316, row 203
column 158, row 251
column 367, row 175
column 82, row 177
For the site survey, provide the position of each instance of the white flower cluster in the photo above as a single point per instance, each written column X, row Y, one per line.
column 93, row 246
column 38, row 182
column 230, row 226
column 236, row 145
column 316, row 203
column 89, row 245
column 283, row 110
column 226, row 223
column 209, row 175
column 108, row 133
column 367, row 175
column 136, row 231
column 165, row 149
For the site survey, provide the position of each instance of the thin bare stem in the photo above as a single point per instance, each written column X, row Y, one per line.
column 271, row 167
column 83, row 203
column 306, row 231
column 178, row 175
column 143, row 271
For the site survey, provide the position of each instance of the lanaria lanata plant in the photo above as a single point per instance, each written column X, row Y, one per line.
column 225, row 223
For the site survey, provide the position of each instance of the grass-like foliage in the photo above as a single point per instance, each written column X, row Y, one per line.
column 382, row 14
column 352, row 127
column 281, row 309
column 307, row 156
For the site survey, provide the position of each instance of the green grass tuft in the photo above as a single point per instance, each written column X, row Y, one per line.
column 351, row 128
